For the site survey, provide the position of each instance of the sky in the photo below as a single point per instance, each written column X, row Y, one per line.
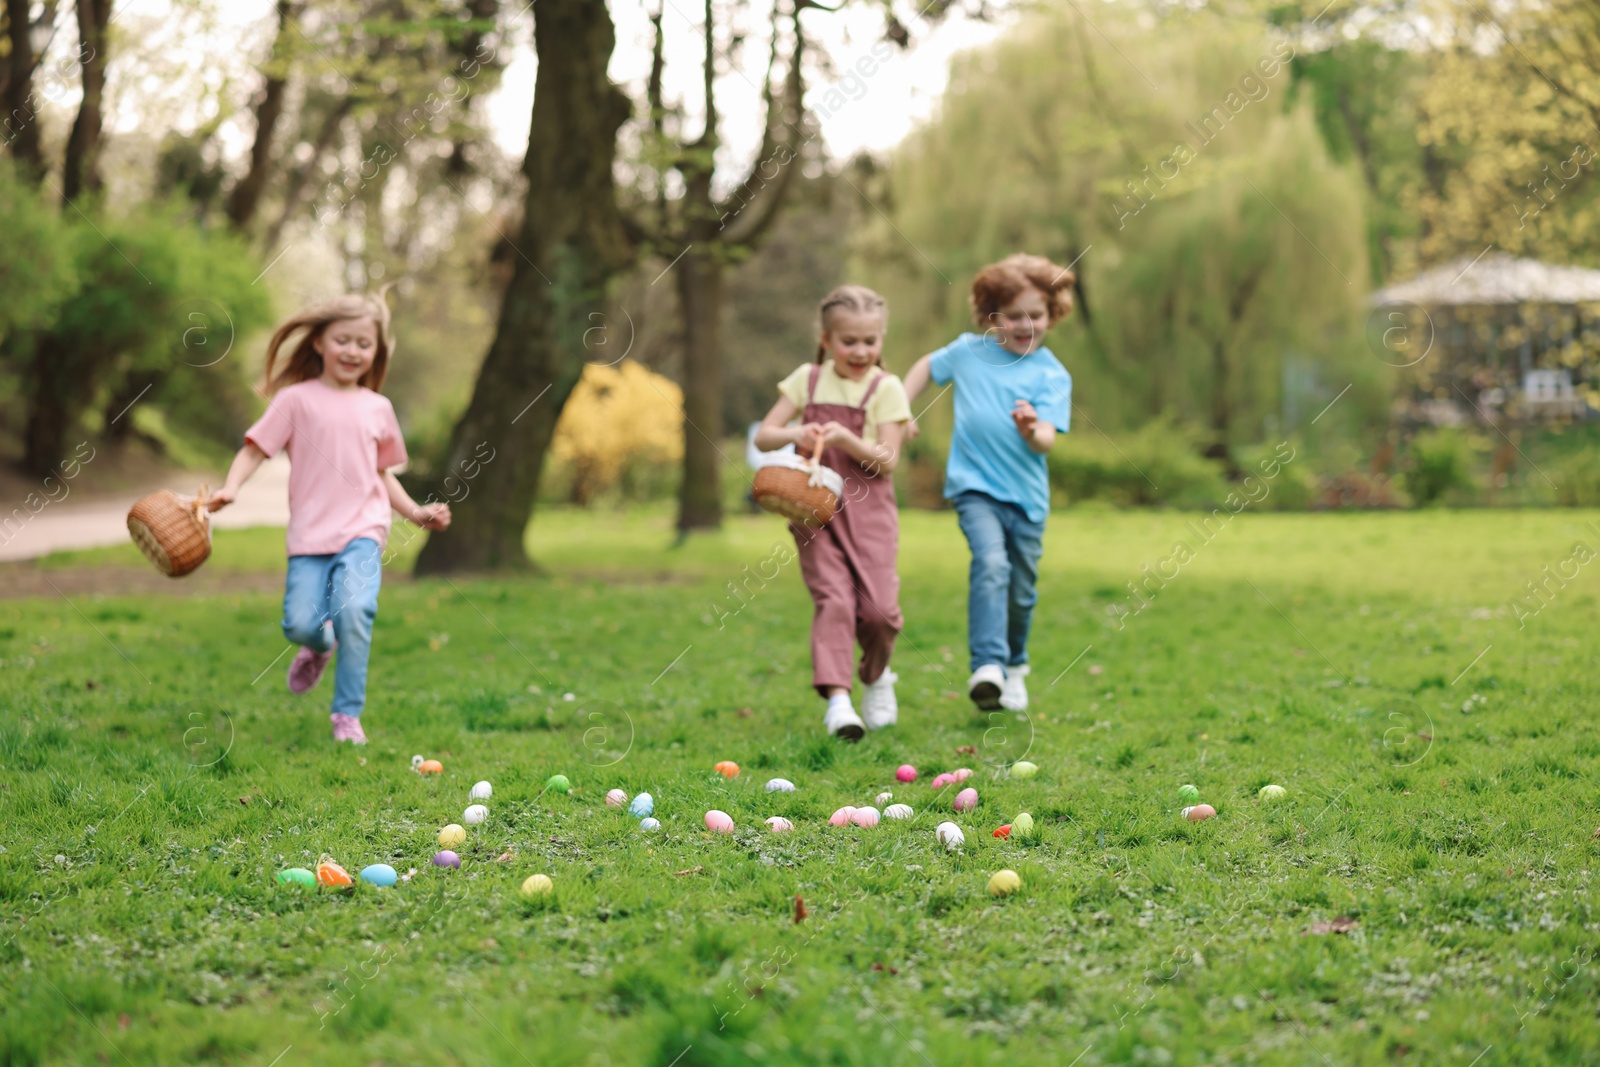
column 885, row 107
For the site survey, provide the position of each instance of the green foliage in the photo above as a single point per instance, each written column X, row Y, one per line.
column 1441, row 467
column 1577, row 479
column 37, row 268
column 1316, row 652
column 1157, row 465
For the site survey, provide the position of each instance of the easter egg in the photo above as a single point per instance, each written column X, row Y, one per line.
column 1199, row 813
column 297, row 876
column 643, row 804
column 538, row 885
column 898, row 811
column 416, row 763
column 867, row 817
column 842, row 816
column 883, row 798
column 1188, row 794
column 966, row 800
column 942, row 780
column 905, row 773
column 1004, row 883
column 452, row 835
column 780, row 785
column 1269, row 793
column 379, row 874
column 558, row 784
column 1022, row 825
column 475, row 815
column 719, row 822
column 615, row 798
column 1023, row 769
column 728, row 769
column 330, row 873
column 482, row 791
column 950, row 836
column 779, row 825
column 961, row 774
column 446, row 859
column 647, row 824
column 430, row 766
column 1004, row 831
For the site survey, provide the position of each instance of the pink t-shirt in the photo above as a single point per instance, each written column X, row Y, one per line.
column 340, row 442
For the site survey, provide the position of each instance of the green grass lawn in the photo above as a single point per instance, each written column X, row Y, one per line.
column 155, row 775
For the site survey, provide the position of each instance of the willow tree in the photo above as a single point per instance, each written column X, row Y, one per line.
column 569, row 246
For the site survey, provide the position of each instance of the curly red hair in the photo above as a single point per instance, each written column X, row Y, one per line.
column 998, row 284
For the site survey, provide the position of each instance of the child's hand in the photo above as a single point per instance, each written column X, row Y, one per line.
column 221, row 499
column 433, row 516
column 811, row 435
column 835, row 433
column 1026, row 419
column 913, row 431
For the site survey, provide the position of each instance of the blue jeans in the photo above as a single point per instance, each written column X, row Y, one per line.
column 335, row 597
column 1006, row 546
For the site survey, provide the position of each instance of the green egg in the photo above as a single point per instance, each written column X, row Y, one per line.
column 1024, row 769
column 558, row 784
column 1188, row 794
column 297, row 876
column 1022, row 825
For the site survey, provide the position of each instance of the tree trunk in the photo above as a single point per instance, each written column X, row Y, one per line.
column 1221, row 413
column 80, row 173
column 21, row 115
column 50, row 410
column 700, row 293
column 246, row 195
column 570, row 245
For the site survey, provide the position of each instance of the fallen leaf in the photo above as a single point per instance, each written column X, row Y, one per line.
column 799, row 909
column 122, row 1020
column 691, row 870
column 966, row 750
column 502, row 857
column 744, row 713
column 1343, row 924
column 246, row 799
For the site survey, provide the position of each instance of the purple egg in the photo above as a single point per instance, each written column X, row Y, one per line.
column 446, row 859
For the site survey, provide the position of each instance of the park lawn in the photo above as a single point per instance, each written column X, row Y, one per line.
column 1439, row 760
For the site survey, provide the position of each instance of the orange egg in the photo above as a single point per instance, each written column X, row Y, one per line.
column 728, row 769
column 330, row 873
column 431, row 766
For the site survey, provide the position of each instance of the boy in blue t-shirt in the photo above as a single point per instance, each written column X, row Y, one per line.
column 1012, row 396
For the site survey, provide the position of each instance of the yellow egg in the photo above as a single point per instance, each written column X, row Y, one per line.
column 538, row 885
column 1004, row 883
column 452, row 836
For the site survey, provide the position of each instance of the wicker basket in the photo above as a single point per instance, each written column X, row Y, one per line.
column 801, row 490
column 174, row 531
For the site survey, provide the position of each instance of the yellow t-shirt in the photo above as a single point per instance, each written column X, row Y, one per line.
column 889, row 402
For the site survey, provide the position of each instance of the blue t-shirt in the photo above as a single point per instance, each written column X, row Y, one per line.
column 986, row 451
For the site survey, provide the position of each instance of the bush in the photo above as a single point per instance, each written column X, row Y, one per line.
column 1577, row 478
column 1160, row 465
column 1294, row 486
column 1440, row 465
column 620, row 434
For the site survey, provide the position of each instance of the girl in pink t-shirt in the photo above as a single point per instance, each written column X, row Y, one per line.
column 342, row 439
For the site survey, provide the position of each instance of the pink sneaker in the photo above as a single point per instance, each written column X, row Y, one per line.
column 347, row 728
column 305, row 670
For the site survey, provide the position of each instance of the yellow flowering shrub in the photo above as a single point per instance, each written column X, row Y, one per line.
column 622, row 430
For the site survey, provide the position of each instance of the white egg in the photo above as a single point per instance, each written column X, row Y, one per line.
column 950, row 836
column 898, row 811
column 780, row 785
column 475, row 814
column 649, row 824
column 883, row 798
column 416, row 761
column 482, row 791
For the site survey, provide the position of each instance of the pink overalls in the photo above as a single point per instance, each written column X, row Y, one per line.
column 849, row 564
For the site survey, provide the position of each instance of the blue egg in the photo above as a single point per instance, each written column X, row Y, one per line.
column 379, row 874
column 643, row 804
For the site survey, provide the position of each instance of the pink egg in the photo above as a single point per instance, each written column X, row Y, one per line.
column 841, row 817
column 966, row 800
column 867, row 817
column 719, row 822
column 943, row 780
column 906, row 773
column 1199, row 813
column 779, row 825
column 961, row 774
column 616, row 798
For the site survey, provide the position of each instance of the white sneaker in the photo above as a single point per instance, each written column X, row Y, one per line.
column 842, row 721
column 879, row 707
column 1014, row 695
column 984, row 686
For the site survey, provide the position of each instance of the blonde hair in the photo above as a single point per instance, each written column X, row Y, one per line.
column 303, row 361
column 857, row 298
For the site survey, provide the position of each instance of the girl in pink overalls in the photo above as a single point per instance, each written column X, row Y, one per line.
column 858, row 411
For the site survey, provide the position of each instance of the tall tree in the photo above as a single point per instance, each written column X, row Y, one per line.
column 21, row 106
column 80, row 171
column 246, row 194
column 571, row 243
